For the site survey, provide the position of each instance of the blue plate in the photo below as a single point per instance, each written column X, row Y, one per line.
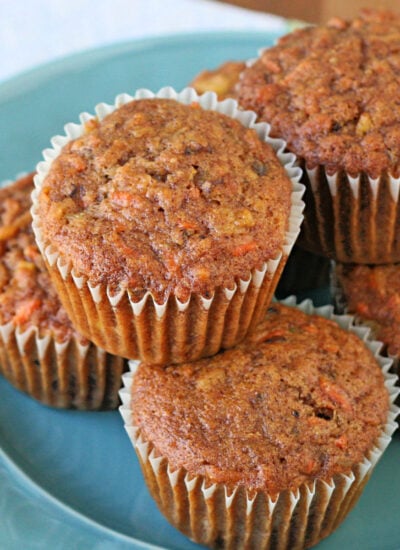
column 70, row 479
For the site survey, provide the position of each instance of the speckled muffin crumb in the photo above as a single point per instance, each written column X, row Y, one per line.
column 166, row 197
column 331, row 92
column 299, row 400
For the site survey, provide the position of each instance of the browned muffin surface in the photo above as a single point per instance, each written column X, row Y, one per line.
column 27, row 297
column 331, row 92
column 373, row 294
column 166, row 197
column 299, row 400
column 221, row 80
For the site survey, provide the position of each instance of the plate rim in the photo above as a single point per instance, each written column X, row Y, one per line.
column 61, row 62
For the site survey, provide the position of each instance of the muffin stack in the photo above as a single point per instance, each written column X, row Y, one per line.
column 165, row 222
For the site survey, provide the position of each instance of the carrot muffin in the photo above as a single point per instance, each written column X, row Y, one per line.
column 166, row 224
column 372, row 293
column 331, row 93
column 267, row 443
column 40, row 352
column 222, row 80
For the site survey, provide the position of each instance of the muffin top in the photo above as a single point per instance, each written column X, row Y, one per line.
column 27, row 297
column 221, row 80
column 165, row 197
column 300, row 399
column 332, row 93
column 373, row 294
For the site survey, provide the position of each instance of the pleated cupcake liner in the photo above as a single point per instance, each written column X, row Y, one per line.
column 233, row 517
column 174, row 331
column 69, row 374
column 351, row 219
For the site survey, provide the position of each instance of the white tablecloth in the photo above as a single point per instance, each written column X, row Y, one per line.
column 33, row 32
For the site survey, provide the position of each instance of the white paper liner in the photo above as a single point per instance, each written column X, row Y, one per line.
column 66, row 374
column 292, row 520
column 241, row 306
column 351, row 219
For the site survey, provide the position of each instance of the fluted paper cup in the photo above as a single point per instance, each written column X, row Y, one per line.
column 173, row 331
column 74, row 374
column 351, row 219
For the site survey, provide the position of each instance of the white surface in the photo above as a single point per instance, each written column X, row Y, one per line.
column 33, row 32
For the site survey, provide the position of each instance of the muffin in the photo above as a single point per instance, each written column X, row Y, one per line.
column 165, row 223
column 331, row 93
column 372, row 294
column 304, row 270
column 222, row 80
column 269, row 444
column 41, row 353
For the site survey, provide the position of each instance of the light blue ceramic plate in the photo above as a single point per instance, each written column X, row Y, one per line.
column 70, row 480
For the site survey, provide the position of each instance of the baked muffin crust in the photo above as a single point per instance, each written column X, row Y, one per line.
column 332, row 93
column 165, row 197
column 299, row 400
column 27, row 297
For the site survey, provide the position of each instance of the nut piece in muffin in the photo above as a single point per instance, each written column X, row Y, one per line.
column 372, row 293
column 251, row 439
column 40, row 351
column 331, row 93
column 169, row 199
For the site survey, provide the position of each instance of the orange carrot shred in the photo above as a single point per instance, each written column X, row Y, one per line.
column 341, row 442
column 25, row 310
column 336, row 394
column 242, row 249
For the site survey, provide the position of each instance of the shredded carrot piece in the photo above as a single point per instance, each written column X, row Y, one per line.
column 309, row 466
column 126, row 198
column 242, row 249
column 187, row 224
column 25, row 310
column 335, row 394
column 341, row 442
